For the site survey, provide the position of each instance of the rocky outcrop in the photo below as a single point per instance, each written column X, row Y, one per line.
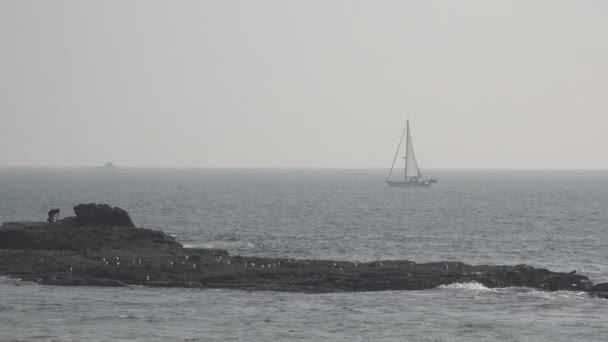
column 599, row 290
column 93, row 213
column 90, row 230
column 73, row 253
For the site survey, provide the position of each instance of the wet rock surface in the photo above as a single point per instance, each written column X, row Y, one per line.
column 69, row 253
column 93, row 213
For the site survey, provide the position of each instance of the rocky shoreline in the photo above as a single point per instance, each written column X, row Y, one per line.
column 101, row 247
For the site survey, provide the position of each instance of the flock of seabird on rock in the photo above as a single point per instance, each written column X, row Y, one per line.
column 115, row 262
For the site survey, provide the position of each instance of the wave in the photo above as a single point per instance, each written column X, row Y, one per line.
column 474, row 286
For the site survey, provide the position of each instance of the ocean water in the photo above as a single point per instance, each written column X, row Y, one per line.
column 552, row 219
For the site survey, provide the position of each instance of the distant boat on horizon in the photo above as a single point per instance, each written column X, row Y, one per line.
column 108, row 165
column 412, row 176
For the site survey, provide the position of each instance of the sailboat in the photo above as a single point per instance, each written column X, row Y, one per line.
column 412, row 176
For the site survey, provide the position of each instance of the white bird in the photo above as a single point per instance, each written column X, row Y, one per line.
column 186, row 257
column 147, row 278
column 228, row 262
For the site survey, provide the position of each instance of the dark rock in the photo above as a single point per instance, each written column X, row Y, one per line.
column 65, row 235
column 93, row 213
column 599, row 287
column 88, row 251
column 599, row 290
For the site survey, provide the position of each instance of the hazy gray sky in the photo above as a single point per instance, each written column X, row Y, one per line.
column 498, row 84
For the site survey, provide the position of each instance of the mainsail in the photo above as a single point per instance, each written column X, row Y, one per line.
column 412, row 177
column 411, row 166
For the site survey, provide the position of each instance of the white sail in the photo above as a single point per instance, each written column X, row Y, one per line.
column 411, row 166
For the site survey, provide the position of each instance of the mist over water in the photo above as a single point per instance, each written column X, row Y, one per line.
column 552, row 219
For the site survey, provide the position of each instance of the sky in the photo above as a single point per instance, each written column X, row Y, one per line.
column 304, row 84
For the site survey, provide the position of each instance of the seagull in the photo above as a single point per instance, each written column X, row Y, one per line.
column 147, row 278
column 228, row 262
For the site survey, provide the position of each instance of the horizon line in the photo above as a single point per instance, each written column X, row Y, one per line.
column 270, row 168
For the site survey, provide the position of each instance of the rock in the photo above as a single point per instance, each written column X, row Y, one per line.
column 99, row 248
column 93, row 213
column 599, row 287
column 96, row 226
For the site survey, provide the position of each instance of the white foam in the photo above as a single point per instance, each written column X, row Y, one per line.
column 471, row 286
column 518, row 291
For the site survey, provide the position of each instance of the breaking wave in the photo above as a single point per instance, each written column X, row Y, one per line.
column 473, row 286
column 518, row 291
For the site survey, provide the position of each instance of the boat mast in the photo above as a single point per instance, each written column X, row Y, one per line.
column 407, row 142
column 397, row 152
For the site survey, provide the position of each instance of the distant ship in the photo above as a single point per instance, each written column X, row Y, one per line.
column 108, row 165
column 412, row 177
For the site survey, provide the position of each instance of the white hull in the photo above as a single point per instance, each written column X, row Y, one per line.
column 412, row 178
column 395, row 184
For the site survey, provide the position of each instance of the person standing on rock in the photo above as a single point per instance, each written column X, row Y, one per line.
column 53, row 215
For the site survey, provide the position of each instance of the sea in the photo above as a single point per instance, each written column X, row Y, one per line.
column 552, row 219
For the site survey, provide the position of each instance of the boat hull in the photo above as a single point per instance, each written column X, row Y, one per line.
column 395, row 184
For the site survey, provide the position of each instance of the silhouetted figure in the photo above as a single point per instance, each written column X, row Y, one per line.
column 53, row 215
